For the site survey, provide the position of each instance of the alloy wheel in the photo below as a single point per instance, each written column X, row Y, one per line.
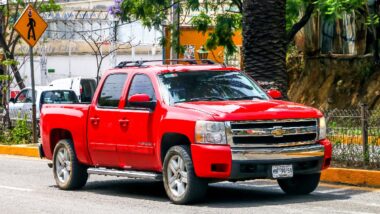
column 63, row 165
column 177, row 176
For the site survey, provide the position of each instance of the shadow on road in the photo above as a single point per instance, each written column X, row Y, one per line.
column 220, row 195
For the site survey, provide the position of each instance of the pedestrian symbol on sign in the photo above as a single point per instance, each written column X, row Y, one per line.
column 31, row 25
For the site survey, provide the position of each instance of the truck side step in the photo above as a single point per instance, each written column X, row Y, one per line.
column 125, row 173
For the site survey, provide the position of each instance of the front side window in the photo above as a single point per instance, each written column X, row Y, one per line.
column 141, row 84
column 29, row 97
column 209, row 86
column 112, row 90
column 22, row 97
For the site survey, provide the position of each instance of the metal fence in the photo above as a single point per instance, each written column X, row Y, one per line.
column 355, row 135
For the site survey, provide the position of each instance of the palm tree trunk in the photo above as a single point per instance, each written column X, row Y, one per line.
column 264, row 42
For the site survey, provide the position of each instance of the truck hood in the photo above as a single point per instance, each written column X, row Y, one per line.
column 252, row 110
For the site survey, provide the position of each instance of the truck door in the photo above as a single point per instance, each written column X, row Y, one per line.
column 103, row 122
column 135, row 144
column 16, row 109
column 27, row 108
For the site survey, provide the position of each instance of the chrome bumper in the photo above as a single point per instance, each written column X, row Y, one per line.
column 285, row 153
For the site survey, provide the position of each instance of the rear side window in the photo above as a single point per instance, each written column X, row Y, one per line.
column 111, row 91
column 88, row 87
column 141, row 84
column 60, row 97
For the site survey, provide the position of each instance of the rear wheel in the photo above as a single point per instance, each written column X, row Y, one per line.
column 300, row 184
column 69, row 174
column 181, row 184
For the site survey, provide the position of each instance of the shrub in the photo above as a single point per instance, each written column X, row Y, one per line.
column 21, row 133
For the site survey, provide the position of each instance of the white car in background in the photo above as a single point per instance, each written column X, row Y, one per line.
column 84, row 88
column 21, row 106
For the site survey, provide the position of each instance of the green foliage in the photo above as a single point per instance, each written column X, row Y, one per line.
column 9, row 62
column 50, row 6
column 225, row 26
column 373, row 20
column 293, row 11
column 20, row 134
column 152, row 13
column 224, row 16
column 202, row 22
column 334, row 9
column 5, row 77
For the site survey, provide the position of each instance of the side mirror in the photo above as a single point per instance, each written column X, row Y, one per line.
column 275, row 94
column 13, row 100
column 141, row 101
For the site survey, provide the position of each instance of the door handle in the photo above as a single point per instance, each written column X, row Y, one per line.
column 95, row 121
column 123, row 123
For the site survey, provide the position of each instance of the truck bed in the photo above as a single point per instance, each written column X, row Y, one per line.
column 70, row 117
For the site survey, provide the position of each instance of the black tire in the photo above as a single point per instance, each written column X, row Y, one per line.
column 196, row 188
column 77, row 177
column 300, row 184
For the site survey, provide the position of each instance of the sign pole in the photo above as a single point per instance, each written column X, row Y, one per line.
column 34, row 119
column 30, row 26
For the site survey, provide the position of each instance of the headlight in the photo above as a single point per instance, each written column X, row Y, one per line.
column 322, row 128
column 210, row 132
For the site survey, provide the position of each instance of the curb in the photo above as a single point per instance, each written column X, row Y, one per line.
column 22, row 150
column 357, row 177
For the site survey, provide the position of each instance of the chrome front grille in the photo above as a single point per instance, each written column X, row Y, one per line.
column 274, row 133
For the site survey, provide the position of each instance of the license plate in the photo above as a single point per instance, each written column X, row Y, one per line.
column 282, row 171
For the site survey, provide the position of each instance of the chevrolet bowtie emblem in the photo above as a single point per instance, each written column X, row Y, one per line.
column 278, row 132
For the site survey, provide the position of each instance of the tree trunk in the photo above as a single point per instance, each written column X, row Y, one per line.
column 264, row 42
column 10, row 55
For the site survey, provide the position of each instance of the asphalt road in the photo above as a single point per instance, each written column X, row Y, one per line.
column 27, row 186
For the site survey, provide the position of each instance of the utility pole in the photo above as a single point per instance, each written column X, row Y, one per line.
column 43, row 65
column 113, row 56
column 70, row 72
column 175, row 42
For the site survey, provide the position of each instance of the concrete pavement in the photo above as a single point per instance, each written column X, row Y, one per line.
column 27, row 186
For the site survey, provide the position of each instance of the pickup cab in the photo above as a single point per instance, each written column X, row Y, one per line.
column 187, row 125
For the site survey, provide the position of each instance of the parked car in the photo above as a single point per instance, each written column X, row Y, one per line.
column 186, row 125
column 21, row 106
column 84, row 88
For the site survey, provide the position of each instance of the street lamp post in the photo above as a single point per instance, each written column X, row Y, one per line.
column 202, row 53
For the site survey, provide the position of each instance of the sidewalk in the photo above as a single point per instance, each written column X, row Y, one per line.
column 357, row 177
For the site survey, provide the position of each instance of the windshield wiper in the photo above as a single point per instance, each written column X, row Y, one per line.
column 206, row 98
column 201, row 99
column 246, row 98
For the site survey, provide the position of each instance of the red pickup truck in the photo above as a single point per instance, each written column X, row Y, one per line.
column 187, row 125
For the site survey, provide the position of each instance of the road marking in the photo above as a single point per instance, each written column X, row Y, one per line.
column 22, row 157
column 332, row 190
column 15, row 188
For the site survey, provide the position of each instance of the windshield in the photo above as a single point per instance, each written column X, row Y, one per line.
column 58, row 97
column 209, row 85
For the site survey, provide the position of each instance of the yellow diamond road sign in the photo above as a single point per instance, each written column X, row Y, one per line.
column 30, row 26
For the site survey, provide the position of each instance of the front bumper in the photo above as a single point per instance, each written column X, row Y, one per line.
column 224, row 162
column 257, row 163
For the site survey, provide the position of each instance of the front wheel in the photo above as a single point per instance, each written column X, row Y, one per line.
column 181, row 184
column 300, row 184
column 69, row 174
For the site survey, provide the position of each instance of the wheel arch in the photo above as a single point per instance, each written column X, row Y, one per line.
column 58, row 134
column 171, row 139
